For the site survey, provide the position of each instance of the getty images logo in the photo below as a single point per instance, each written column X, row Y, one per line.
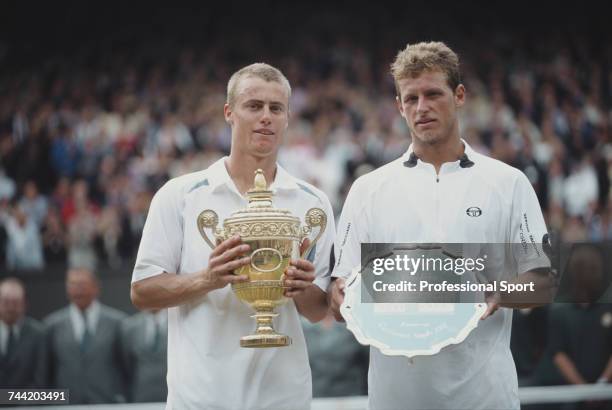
column 473, row 211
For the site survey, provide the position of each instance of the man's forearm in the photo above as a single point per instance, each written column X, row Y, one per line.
column 567, row 369
column 312, row 303
column 607, row 373
column 167, row 290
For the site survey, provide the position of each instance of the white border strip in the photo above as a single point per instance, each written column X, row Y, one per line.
column 528, row 395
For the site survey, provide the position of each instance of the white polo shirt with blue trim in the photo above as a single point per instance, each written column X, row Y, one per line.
column 207, row 368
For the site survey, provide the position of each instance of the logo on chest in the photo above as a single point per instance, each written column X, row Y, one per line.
column 473, row 211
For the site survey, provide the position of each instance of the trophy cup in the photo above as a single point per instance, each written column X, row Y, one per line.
column 274, row 236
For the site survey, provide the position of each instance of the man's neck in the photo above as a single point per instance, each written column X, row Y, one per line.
column 11, row 323
column 437, row 154
column 241, row 169
column 86, row 308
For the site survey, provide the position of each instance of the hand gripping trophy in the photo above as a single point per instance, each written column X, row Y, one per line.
column 274, row 236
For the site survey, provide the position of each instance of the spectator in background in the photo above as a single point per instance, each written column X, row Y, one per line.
column 7, row 187
column 33, row 203
column 24, row 245
column 528, row 342
column 84, row 343
column 64, row 152
column 81, row 235
column 22, row 340
column 600, row 228
column 144, row 340
column 61, row 195
column 54, row 239
column 173, row 135
column 583, row 359
column 580, row 190
column 580, row 336
column 79, row 214
column 109, row 231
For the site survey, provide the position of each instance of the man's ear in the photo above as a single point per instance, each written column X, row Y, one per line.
column 459, row 95
column 227, row 113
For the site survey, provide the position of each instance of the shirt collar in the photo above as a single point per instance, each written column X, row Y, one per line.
column 283, row 180
column 92, row 313
column 16, row 327
column 218, row 177
column 466, row 160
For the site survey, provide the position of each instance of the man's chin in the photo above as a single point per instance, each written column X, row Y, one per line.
column 428, row 138
column 264, row 152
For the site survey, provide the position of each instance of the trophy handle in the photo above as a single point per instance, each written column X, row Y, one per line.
column 207, row 219
column 314, row 217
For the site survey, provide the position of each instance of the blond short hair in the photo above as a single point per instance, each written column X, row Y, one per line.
column 426, row 56
column 259, row 70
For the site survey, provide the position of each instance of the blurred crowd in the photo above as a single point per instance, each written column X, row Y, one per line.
column 85, row 142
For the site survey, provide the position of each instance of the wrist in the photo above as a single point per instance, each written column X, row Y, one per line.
column 494, row 297
column 201, row 283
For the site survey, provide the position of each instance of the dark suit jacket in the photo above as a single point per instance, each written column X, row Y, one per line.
column 146, row 365
column 96, row 375
column 24, row 367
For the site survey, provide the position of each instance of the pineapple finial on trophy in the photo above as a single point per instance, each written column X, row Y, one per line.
column 260, row 181
column 259, row 196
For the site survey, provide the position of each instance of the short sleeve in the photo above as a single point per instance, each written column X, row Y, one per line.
column 351, row 233
column 162, row 236
column 527, row 228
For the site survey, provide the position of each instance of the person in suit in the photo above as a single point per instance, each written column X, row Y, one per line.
column 22, row 340
column 83, row 340
column 144, row 340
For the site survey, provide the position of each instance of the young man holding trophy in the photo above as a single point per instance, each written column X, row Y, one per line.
column 258, row 251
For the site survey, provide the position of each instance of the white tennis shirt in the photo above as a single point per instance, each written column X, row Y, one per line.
column 475, row 200
column 207, row 368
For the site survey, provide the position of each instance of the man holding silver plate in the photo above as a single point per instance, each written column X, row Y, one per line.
column 225, row 226
column 439, row 192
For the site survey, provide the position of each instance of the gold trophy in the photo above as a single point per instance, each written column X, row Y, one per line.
column 274, row 236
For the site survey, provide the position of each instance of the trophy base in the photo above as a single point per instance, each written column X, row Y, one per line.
column 268, row 340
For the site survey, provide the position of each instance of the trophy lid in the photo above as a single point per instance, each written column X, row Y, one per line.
column 261, row 218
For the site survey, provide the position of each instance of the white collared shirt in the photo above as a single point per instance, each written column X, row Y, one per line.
column 207, row 368
column 407, row 202
column 92, row 313
column 4, row 333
